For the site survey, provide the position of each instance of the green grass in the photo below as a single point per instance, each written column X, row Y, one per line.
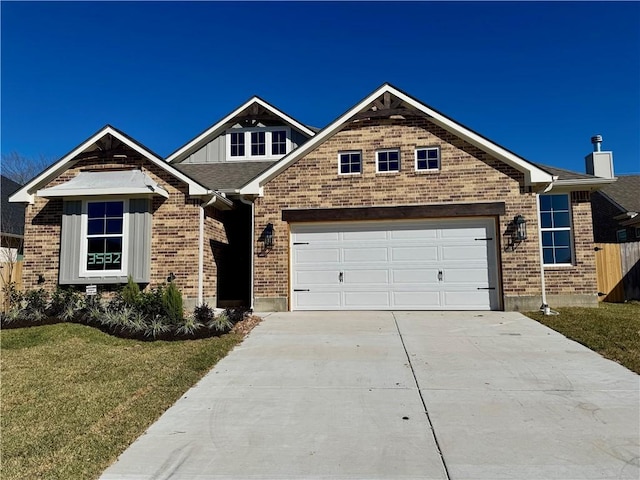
column 612, row 330
column 74, row 398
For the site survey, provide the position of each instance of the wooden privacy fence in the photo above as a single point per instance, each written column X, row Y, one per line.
column 618, row 271
column 11, row 272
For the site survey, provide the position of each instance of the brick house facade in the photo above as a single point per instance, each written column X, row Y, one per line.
column 258, row 171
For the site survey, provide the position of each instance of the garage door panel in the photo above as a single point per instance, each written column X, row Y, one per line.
column 366, row 235
column 466, row 299
column 316, row 236
column 316, row 255
column 414, row 253
column 317, row 300
column 316, row 277
column 464, row 252
column 367, row 277
column 416, row 300
column 415, row 233
column 366, row 300
column 419, row 276
column 364, row 254
column 477, row 276
column 466, row 231
column 418, row 265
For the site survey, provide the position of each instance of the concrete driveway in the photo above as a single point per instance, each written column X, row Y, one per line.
column 399, row 395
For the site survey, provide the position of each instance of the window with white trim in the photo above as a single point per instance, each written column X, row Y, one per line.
column 388, row 161
column 104, row 237
column 555, row 228
column 350, row 162
column 260, row 143
column 427, row 159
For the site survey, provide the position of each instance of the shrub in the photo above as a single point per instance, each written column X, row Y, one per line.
column 189, row 326
column 65, row 304
column 222, row 323
column 157, row 327
column 131, row 293
column 151, row 303
column 35, row 305
column 204, row 313
column 172, row 301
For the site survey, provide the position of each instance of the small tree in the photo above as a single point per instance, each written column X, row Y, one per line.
column 172, row 300
column 131, row 293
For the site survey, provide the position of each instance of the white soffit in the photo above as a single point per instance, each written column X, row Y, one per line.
column 216, row 129
column 532, row 173
column 126, row 182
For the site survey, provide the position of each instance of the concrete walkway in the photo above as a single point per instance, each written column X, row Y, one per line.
column 399, row 395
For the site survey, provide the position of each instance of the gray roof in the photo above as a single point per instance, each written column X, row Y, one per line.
column 625, row 192
column 12, row 213
column 223, row 175
column 564, row 174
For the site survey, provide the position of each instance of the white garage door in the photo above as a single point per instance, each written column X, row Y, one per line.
column 408, row 265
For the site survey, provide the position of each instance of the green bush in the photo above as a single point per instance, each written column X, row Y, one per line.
column 131, row 293
column 172, row 301
column 65, row 304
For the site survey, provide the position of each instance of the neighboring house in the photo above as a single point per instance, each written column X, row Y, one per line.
column 12, row 226
column 616, row 211
column 391, row 206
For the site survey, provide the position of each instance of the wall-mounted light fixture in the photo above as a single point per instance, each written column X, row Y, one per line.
column 520, row 225
column 171, row 277
column 516, row 233
column 267, row 236
column 40, row 279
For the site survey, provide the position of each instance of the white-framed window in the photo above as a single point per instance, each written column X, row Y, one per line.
column 427, row 159
column 555, row 228
column 388, row 161
column 350, row 163
column 621, row 235
column 103, row 249
column 259, row 143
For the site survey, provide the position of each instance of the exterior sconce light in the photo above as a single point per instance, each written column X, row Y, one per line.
column 520, row 225
column 267, row 236
column 171, row 277
column 40, row 279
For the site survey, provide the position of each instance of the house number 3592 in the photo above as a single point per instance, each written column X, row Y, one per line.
column 103, row 258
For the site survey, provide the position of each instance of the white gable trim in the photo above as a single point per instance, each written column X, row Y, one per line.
column 533, row 174
column 27, row 193
column 218, row 128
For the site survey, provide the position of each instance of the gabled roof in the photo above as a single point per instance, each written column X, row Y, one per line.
column 93, row 144
column 218, row 128
column 12, row 214
column 625, row 193
column 533, row 174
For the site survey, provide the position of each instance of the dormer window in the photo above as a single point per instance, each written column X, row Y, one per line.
column 260, row 143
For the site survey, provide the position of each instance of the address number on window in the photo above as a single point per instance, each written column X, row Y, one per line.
column 103, row 258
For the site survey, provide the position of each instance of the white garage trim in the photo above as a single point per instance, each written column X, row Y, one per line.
column 395, row 265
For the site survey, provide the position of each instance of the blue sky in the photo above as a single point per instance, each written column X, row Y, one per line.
column 538, row 78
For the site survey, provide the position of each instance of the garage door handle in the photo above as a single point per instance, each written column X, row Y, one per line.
column 440, row 275
column 340, row 277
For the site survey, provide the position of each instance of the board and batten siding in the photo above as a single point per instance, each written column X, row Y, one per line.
column 216, row 150
column 139, row 244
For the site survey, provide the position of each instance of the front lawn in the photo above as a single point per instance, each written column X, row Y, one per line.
column 612, row 330
column 73, row 397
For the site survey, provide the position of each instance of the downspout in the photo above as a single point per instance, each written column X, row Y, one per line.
column 544, row 307
column 201, row 258
column 252, row 248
